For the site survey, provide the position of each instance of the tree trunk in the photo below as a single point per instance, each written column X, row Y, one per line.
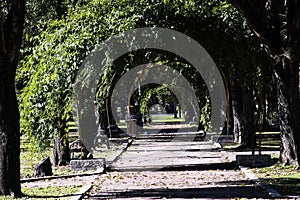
column 244, row 106
column 236, row 123
column 235, row 92
column 229, row 110
column 9, row 136
column 287, row 75
column 268, row 21
column 247, row 125
column 10, row 41
column 110, row 119
column 61, row 151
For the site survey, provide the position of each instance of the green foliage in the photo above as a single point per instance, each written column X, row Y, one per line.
column 53, row 54
column 49, row 71
column 160, row 91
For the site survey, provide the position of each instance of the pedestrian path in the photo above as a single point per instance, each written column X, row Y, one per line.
column 151, row 154
column 155, row 168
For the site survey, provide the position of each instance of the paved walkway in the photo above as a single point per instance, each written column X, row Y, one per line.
column 168, row 167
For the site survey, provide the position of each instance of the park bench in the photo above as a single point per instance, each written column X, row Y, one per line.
column 100, row 140
column 113, row 131
column 78, row 147
column 72, row 130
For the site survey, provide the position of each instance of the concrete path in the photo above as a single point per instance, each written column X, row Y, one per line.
column 168, row 167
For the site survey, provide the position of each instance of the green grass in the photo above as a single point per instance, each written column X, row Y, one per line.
column 166, row 118
column 269, row 142
column 30, row 157
column 268, row 133
column 156, row 118
column 159, row 118
column 50, row 192
column 284, row 179
column 231, row 146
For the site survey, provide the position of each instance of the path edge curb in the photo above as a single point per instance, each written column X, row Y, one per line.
column 26, row 180
column 252, row 177
column 271, row 191
column 108, row 167
column 80, row 194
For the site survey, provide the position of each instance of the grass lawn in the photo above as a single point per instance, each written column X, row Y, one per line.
column 50, row 192
column 270, row 141
column 165, row 118
column 284, row 179
column 157, row 118
column 30, row 157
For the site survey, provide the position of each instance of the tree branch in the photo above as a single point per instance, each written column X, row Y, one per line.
column 263, row 17
column 293, row 27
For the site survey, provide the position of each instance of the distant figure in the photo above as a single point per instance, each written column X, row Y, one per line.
column 139, row 119
column 224, row 129
column 200, row 127
column 150, row 120
column 201, row 130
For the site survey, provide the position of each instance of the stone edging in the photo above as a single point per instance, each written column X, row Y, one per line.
column 108, row 166
column 61, row 176
column 272, row 192
column 80, row 194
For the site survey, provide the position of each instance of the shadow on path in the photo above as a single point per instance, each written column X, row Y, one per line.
column 187, row 167
column 209, row 192
column 174, row 169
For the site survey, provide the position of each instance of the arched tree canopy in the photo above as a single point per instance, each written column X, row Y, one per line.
column 48, row 69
